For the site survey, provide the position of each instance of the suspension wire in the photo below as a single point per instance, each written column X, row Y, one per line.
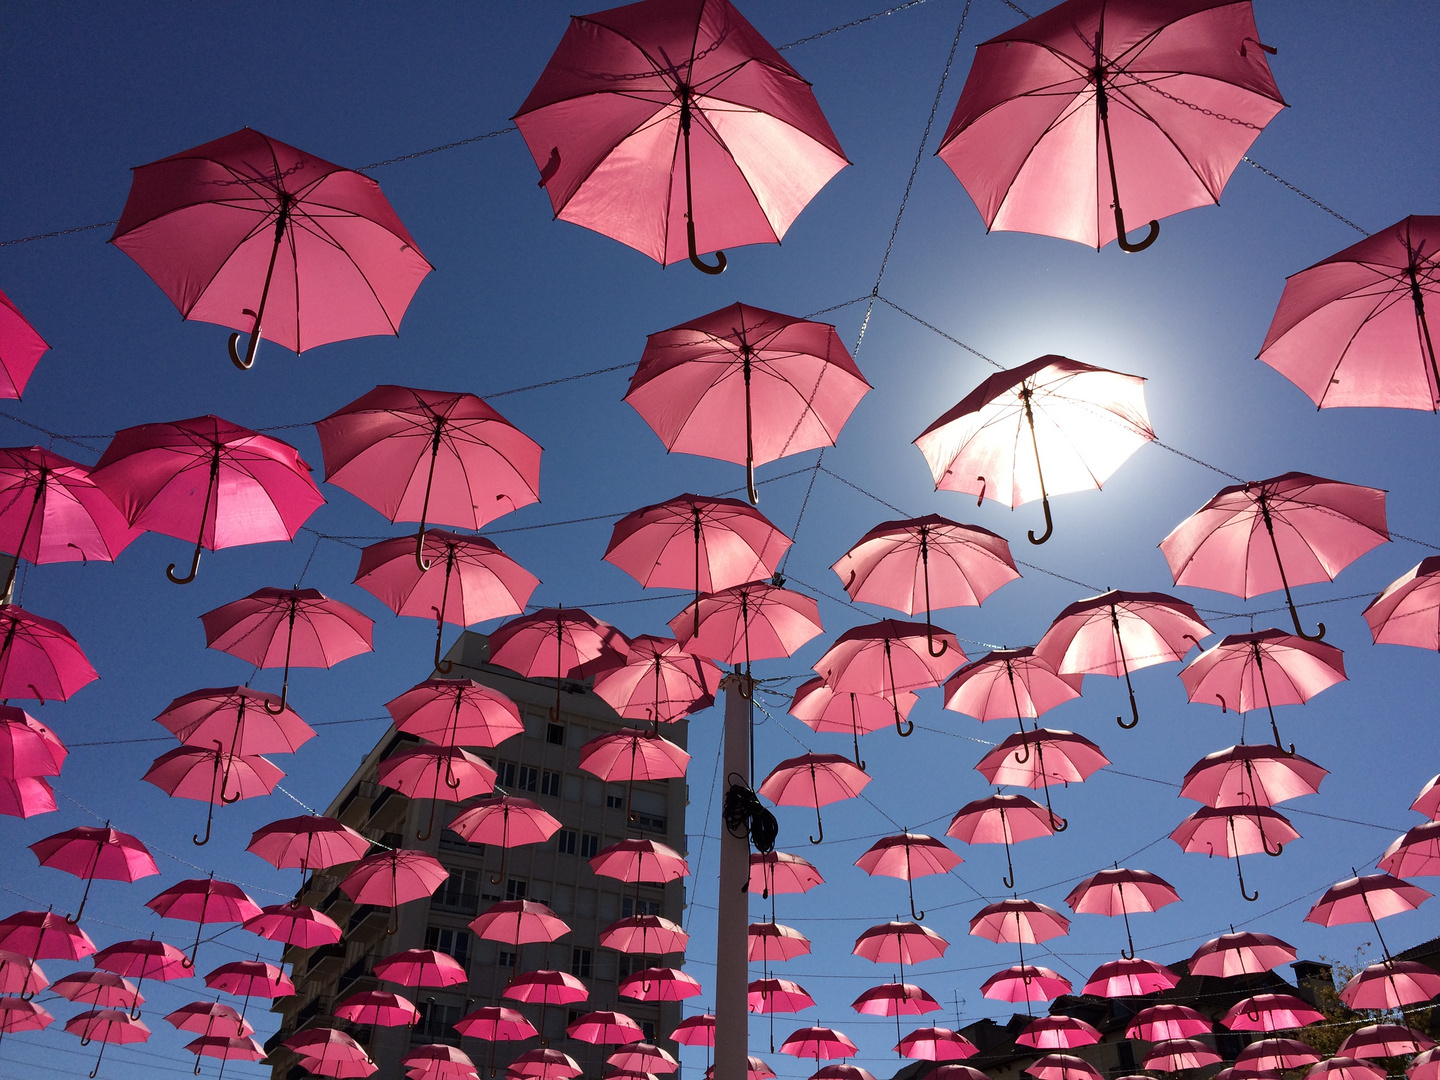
column 1304, row 195
column 846, row 26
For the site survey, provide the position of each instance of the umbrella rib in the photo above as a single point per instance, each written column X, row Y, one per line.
column 295, row 256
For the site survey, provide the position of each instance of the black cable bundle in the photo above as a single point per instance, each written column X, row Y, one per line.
column 745, row 815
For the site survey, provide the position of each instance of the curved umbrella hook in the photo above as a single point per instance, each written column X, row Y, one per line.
column 1102, row 105
column 214, row 784
column 435, row 440
column 1265, row 686
column 1239, row 870
column 855, row 730
column 1280, row 566
column 499, row 876
column 289, row 643
column 1009, row 878
column 1058, row 824
column 929, row 623
column 1127, row 953
column 89, row 880
column 1049, row 523
column 443, row 666
column 1125, row 667
column 819, row 824
column 905, row 727
column 98, row 1057
column 282, row 221
column 1020, row 757
column 204, row 516
column 1025, row 394
column 918, row 916
column 699, row 264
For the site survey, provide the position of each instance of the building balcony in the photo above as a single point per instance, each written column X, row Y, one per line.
column 331, row 955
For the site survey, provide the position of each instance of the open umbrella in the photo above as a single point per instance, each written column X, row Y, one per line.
column 1119, row 891
column 1391, row 984
column 1072, row 758
column 518, row 922
column 640, row 860
column 226, row 1048
column 1424, row 1066
column 754, row 621
column 143, row 959
column 649, row 934
column 1352, row 330
column 1407, row 611
column 97, row 987
column 1130, row 977
column 1002, row 819
column 106, row 1026
column 1165, row 100
column 548, row 988
column 659, row 681
column 775, row 941
column 659, row 984
column 1415, row 854
column 891, row 565
column 1233, row 831
column 642, row 1057
column 421, row 967
column 294, row 924
column 1244, row 953
column 778, row 996
column 543, row 1064
column 746, row 385
column 89, row 853
column 495, row 1023
column 1062, row 1067
column 329, row 1052
column 813, row 780
column 619, row 160
column 209, row 225
column 209, row 479
column 886, row 657
column 1174, row 1055
column 40, row 935
column 413, row 770
column 28, row 747
column 316, row 631
column 821, row 708
column 17, row 1014
column 506, row 821
column 1119, row 632
column 1080, row 422
column 310, row 842
column 1275, row 1055
column 1366, row 898
column 908, row 856
column 900, row 942
column 1022, row 922
column 26, row 796
column 38, row 658
column 633, row 755
column 820, row 1043
column 1385, row 1041
column 1251, row 776
column 1009, row 683
column 557, row 643
column 1057, row 1032
column 1026, row 983
column 1270, row 1012
column 936, row 1044
column 21, row 347
column 209, row 1018
column 250, row 978
column 1264, row 535
column 244, row 721
column 1157, row 1022
column 755, row 1069
column 378, row 1007
column 203, row 900
column 211, row 777
column 391, row 878
column 605, row 1028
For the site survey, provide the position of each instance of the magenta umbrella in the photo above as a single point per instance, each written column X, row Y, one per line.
column 1271, row 1012
column 821, row 708
column 1264, row 535
column 619, row 162
column 456, row 712
column 209, row 1018
column 1117, row 632
column 1407, row 611
column 659, row 681
column 813, row 780
column 1427, row 802
column 936, row 1044
column 891, row 565
column 309, row 843
column 1251, row 776
column 557, row 643
column 209, row 225
column 886, row 657
column 1415, row 854
column 1276, row 1055
column 21, row 347
column 391, row 878
column 659, row 984
column 1352, row 330
column 908, row 856
column 1233, row 831
column 1269, row 667
column 29, row 936
column 506, row 821
column 421, row 967
column 1130, row 977
column 294, row 924
column 648, row 934
column 640, row 860
column 28, row 747
column 1424, row 1066
column 208, row 776
column 316, row 631
column 1119, row 891
column 411, row 771
column 633, row 755
column 1072, row 759
column 1391, row 984
column 1157, row 1022
column 1366, row 898
column 245, row 721
column 776, row 941
column 25, row 796
column 755, row 621
column 140, row 960
column 250, row 978
column 1166, row 99
column 1385, row 1041
column 1002, row 819
column 17, row 1014
column 1009, row 683
column 1244, row 953
column 1062, row 1067
column 1173, row 1055
column 1057, row 1032
column 430, row 456
column 106, row 1026
column 1019, row 921
column 98, row 987
column 38, row 658
column 52, row 511
column 201, row 901
column 209, row 479
column 778, row 996
column 89, row 853
column 746, row 385
column 781, row 872
column 1025, row 983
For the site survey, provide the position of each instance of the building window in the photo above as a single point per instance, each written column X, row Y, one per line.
column 505, row 958
column 504, row 774
column 527, row 778
column 581, row 962
column 455, row 943
column 555, row 734
column 629, row 906
column 435, row 1023
column 589, row 845
column 460, row 892
column 648, row 1027
column 649, row 822
column 550, row 783
column 614, row 802
column 629, row 963
column 515, row 890
column 565, row 841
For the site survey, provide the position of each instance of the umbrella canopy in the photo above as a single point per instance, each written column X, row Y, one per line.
column 18, row 1014
column 1427, row 802
column 201, row 901
column 646, row 934
column 297, row 925
column 640, row 860
column 1390, row 984
column 900, row 942
column 755, row 1069
column 1119, row 891
column 209, row 225
column 1270, row 1012
column 1424, row 1066
column 391, row 878
column 755, row 621
column 1057, row 1032
column 1025, row 982
column 605, row 1027
column 209, row 1018
column 1264, row 535
column 242, row 720
column 781, row 872
column 935, row 1044
column 1025, row 922
column 822, row 708
column 519, row 922
column 1233, row 831
column 506, row 821
column 777, row 996
column 1245, row 953
column 1276, row 1055
column 28, row 747
column 775, row 941
column 98, row 987
column 1158, row 1022
column 695, row 1030
column 310, row 842
column 1344, row 1068
column 21, row 347
column 659, row 984
column 140, row 960
column 659, row 681
column 226, row 1047
column 642, row 1057
column 39, row 659
column 1172, row 1055
column 546, row 987
column 212, row 777
column 250, row 978
column 1251, row 776
column 26, row 796
column 89, row 853
column 209, row 479
column 1119, row 632
column 1130, row 977
column 1093, row 112
column 1407, row 611
column 557, row 643
column 41, row 935
column 456, row 712
column 895, row 999
column 1385, row 1041
column 908, row 856
column 886, row 657
column 1003, row 819
column 1062, row 1067
column 424, row 772
column 421, row 967
column 1044, row 428
column 288, row 628
column 378, row 1007
column 1352, row 330
column 1041, row 757
column 746, row 385
column 107, row 1026
column 544, row 1064
column 330, row 1052
column 1008, row 683
column 1364, row 899
column 1416, row 854
column 496, row 1024
column 820, row 1043
column 630, row 754
column 813, row 780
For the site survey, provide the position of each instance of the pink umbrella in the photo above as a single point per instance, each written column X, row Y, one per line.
column 755, row 1069
column 1352, row 329
column 1264, row 535
column 900, row 942
column 1080, row 423
column 659, row 984
column 1269, row 667
column 27, row 747
column 642, row 1057
column 391, row 878
column 101, row 988
column 813, row 780
column 729, row 542
column 776, row 941
column 1062, row 1067
column 1072, row 759
column 90, row 853
column 496, row 1024
column 1172, row 1055
column 210, row 479
column 544, row 1064
column 659, row 681
column 1407, row 611
column 457, row 579
column 557, row 643
column 781, row 872
column 778, row 996
column 1366, row 898
column 747, row 385
column 1025, row 983
column 640, row 860
column 439, row 1062
column 1276, row 1055
column 647, row 934
column 18, row 1014
column 506, row 821
column 1130, row 977
column 1416, row 854
column 210, row 776
column 886, row 657
column 1002, row 819
column 546, row 987
column 908, row 856
column 244, row 720
column 695, row 1030
column 25, row 796
column 226, row 1048
column 1344, row 1068
column 316, row 631
column 140, row 960
column 456, row 712
column 1117, row 632
column 294, row 924
column 329, row 1052
column 250, row 978
column 1120, row 891
column 310, row 843
column 106, row 1026
column 821, row 708
column 201, row 901
column 518, row 922
column 1427, row 802
column 633, row 755
column 1385, row 1041
column 605, row 1028
column 41, row 935
column 1270, row 1012
column 21, row 347
column 53, row 511
column 1022, row 922
column 1009, row 683
column 761, row 145
column 821, row 1043
column 413, row 770
column 1251, row 776
column 421, row 967
column 1233, row 831
column 1058, row 1032
column 890, row 565
column 895, row 999
column 756, row 621
column 935, row 1044
column 1391, row 984
column 209, row 1018
column 1424, row 1066
column 38, row 658
column 1245, row 953
column 208, row 225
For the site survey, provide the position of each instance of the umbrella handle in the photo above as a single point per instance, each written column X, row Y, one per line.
column 700, row 264
column 1009, row 878
column 821, row 825
column 1126, row 245
column 282, row 222
column 248, row 361
column 918, row 916
column 98, row 1057
column 210, row 493
column 719, row 267
column 908, row 727
column 194, row 568
column 73, row 919
column 443, row 666
column 1248, row 896
column 1049, row 524
column 1134, row 714
column 1023, row 754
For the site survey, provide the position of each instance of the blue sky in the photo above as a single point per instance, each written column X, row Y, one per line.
column 518, row 299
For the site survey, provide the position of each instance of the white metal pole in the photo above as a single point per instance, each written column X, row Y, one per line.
column 732, row 974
